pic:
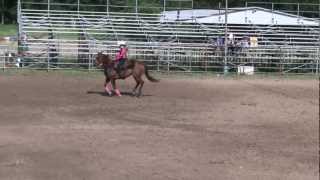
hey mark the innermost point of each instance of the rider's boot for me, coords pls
(118, 93)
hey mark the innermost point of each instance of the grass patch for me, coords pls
(36, 72)
(8, 29)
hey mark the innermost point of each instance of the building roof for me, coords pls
(188, 14)
(243, 15)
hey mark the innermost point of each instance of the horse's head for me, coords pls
(99, 61)
(102, 59)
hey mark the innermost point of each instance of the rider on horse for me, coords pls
(121, 56)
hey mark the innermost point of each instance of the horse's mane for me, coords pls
(106, 58)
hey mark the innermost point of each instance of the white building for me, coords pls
(187, 14)
(250, 15)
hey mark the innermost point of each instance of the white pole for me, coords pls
(317, 71)
(108, 6)
(78, 8)
(246, 18)
(18, 19)
(193, 19)
(318, 58)
(137, 7)
(48, 44)
(298, 13)
(48, 10)
(272, 10)
(225, 68)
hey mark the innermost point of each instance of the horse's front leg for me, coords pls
(116, 90)
(106, 82)
(107, 87)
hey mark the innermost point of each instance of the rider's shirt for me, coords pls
(122, 54)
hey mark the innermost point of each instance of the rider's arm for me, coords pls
(119, 55)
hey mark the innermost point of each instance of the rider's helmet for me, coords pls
(122, 43)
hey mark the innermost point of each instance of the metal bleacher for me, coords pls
(165, 46)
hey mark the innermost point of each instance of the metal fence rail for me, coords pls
(58, 39)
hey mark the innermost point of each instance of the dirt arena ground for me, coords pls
(62, 127)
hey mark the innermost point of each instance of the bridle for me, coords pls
(102, 63)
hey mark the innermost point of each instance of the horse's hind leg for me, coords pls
(141, 82)
(135, 88)
(107, 80)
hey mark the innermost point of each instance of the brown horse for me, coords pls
(131, 68)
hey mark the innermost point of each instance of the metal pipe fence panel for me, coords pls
(59, 39)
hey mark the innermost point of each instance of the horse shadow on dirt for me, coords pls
(125, 93)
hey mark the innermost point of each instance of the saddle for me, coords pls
(120, 67)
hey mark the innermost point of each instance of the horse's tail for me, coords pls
(149, 77)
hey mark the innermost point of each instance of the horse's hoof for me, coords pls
(108, 93)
